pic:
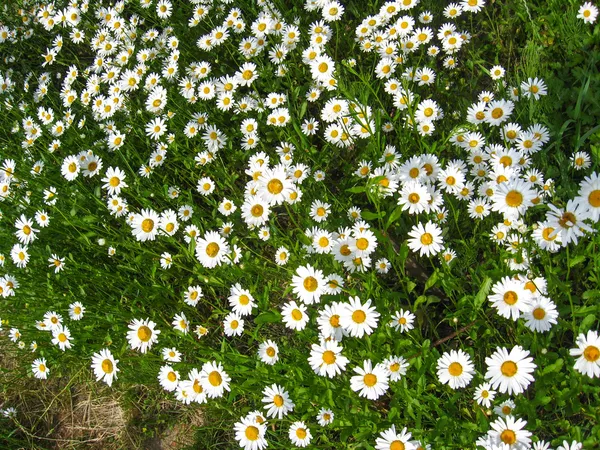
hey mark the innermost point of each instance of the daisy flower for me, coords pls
(299, 434)
(40, 368)
(534, 87)
(114, 180)
(542, 315)
(233, 325)
(484, 395)
(396, 367)
(319, 211)
(308, 284)
(510, 372)
(426, 239)
(241, 300)
(282, 256)
(505, 408)
(268, 352)
(171, 354)
(250, 434)
(588, 350)
(76, 311)
(455, 368)
(588, 12)
(193, 295)
(212, 249)
(104, 366)
(142, 335)
(277, 401)
(327, 360)
(390, 439)
(145, 225)
(168, 378)
(510, 298)
(214, 379)
(180, 323)
(402, 320)
(358, 319)
(510, 431)
(61, 336)
(371, 382)
(294, 316)
(325, 417)
(574, 445)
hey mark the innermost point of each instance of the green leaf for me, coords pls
(368, 215)
(577, 260)
(356, 189)
(482, 294)
(267, 317)
(432, 280)
(555, 367)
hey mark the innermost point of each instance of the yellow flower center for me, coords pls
(507, 436)
(510, 297)
(212, 249)
(328, 357)
(107, 366)
(591, 353)
(215, 378)
(359, 316)
(370, 380)
(251, 433)
(144, 333)
(514, 199)
(455, 369)
(508, 368)
(147, 225)
(426, 239)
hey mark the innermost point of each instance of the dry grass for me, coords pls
(78, 412)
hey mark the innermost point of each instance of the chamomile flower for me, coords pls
(370, 382)
(325, 417)
(588, 350)
(241, 300)
(299, 433)
(510, 372)
(214, 379)
(268, 352)
(104, 366)
(40, 370)
(294, 316)
(455, 369)
(357, 318)
(484, 395)
(142, 335)
(327, 360)
(277, 401)
(308, 284)
(390, 439)
(426, 239)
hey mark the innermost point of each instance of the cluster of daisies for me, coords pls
(136, 71)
